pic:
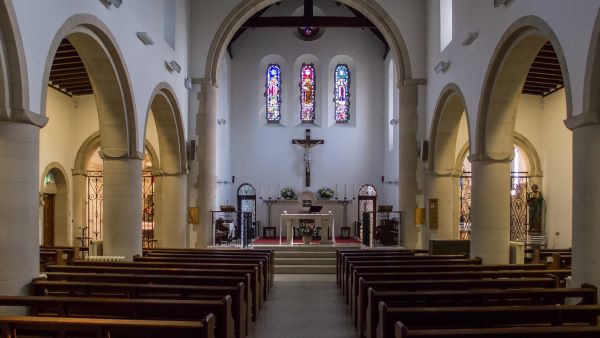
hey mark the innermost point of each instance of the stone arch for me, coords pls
(14, 92)
(591, 84)
(62, 219)
(444, 129)
(371, 9)
(109, 77)
(169, 124)
(504, 80)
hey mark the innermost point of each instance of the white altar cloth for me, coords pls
(325, 221)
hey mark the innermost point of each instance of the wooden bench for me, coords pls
(449, 284)
(239, 308)
(484, 316)
(505, 332)
(229, 281)
(155, 309)
(481, 297)
(253, 285)
(11, 327)
(341, 254)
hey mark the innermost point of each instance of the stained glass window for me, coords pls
(307, 92)
(273, 93)
(341, 95)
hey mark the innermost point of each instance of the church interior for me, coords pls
(410, 168)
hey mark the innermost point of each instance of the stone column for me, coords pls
(19, 206)
(206, 129)
(122, 214)
(171, 221)
(79, 198)
(443, 189)
(586, 199)
(407, 177)
(490, 210)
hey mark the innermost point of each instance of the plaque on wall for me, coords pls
(433, 213)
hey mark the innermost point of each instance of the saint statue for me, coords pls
(535, 201)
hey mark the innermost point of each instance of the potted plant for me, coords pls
(306, 230)
(288, 193)
(325, 193)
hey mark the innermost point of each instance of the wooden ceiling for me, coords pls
(68, 74)
(308, 19)
(545, 76)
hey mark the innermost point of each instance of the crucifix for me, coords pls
(307, 143)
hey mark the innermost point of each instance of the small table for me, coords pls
(325, 221)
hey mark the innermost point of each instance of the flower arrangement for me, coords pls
(288, 193)
(325, 193)
(306, 229)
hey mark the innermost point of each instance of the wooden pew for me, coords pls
(240, 310)
(341, 254)
(261, 262)
(155, 309)
(448, 284)
(408, 260)
(381, 276)
(481, 297)
(504, 332)
(228, 281)
(253, 273)
(11, 326)
(484, 316)
(170, 252)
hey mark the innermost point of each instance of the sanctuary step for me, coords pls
(304, 259)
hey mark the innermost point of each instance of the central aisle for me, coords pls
(304, 306)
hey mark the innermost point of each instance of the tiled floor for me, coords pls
(304, 306)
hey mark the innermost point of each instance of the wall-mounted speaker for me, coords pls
(424, 153)
(232, 179)
(192, 150)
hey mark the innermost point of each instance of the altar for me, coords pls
(325, 221)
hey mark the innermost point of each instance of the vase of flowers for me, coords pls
(288, 193)
(306, 230)
(325, 193)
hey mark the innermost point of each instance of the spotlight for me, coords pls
(173, 66)
(145, 38)
(441, 67)
(471, 36)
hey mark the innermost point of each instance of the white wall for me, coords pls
(390, 149)
(263, 154)
(39, 22)
(225, 192)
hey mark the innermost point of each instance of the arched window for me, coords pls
(246, 197)
(341, 94)
(308, 86)
(367, 204)
(273, 93)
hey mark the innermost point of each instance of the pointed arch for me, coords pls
(591, 84)
(169, 125)
(109, 77)
(62, 216)
(444, 129)
(504, 80)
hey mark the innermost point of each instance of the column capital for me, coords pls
(483, 157)
(79, 172)
(587, 118)
(412, 82)
(205, 82)
(18, 115)
(115, 154)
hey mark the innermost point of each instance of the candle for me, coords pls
(345, 191)
(278, 191)
(336, 195)
(269, 191)
(260, 191)
(353, 190)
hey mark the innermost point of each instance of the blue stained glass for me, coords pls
(341, 94)
(307, 92)
(273, 93)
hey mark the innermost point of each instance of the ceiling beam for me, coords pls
(317, 21)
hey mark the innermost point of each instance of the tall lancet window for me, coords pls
(307, 92)
(341, 95)
(273, 93)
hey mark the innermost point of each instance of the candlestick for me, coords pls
(345, 191)
(353, 190)
(336, 195)
(278, 191)
(269, 191)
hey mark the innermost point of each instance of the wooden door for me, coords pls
(48, 233)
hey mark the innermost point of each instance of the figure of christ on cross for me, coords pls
(307, 143)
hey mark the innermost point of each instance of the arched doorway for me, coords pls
(246, 202)
(56, 225)
(367, 214)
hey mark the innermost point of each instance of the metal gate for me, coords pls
(246, 197)
(464, 184)
(367, 204)
(519, 184)
(149, 210)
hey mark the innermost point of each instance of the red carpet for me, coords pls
(275, 241)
